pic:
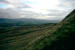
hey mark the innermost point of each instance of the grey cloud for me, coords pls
(8, 13)
(15, 13)
(19, 4)
(16, 3)
(58, 12)
(70, 4)
(4, 1)
(18, 13)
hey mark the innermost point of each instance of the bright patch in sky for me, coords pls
(41, 6)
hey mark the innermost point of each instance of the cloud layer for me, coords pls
(29, 9)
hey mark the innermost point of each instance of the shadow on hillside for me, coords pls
(66, 43)
(2, 46)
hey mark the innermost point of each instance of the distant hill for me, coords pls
(4, 22)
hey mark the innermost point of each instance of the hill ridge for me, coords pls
(65, 35)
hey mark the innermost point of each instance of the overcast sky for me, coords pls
(37, 9)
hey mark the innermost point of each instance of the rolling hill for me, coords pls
(58, 36)
(5, 22)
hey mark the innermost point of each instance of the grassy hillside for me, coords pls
(20, 36)
(64, 37)
(42, 37)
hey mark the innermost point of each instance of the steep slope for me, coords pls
(64, 37)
